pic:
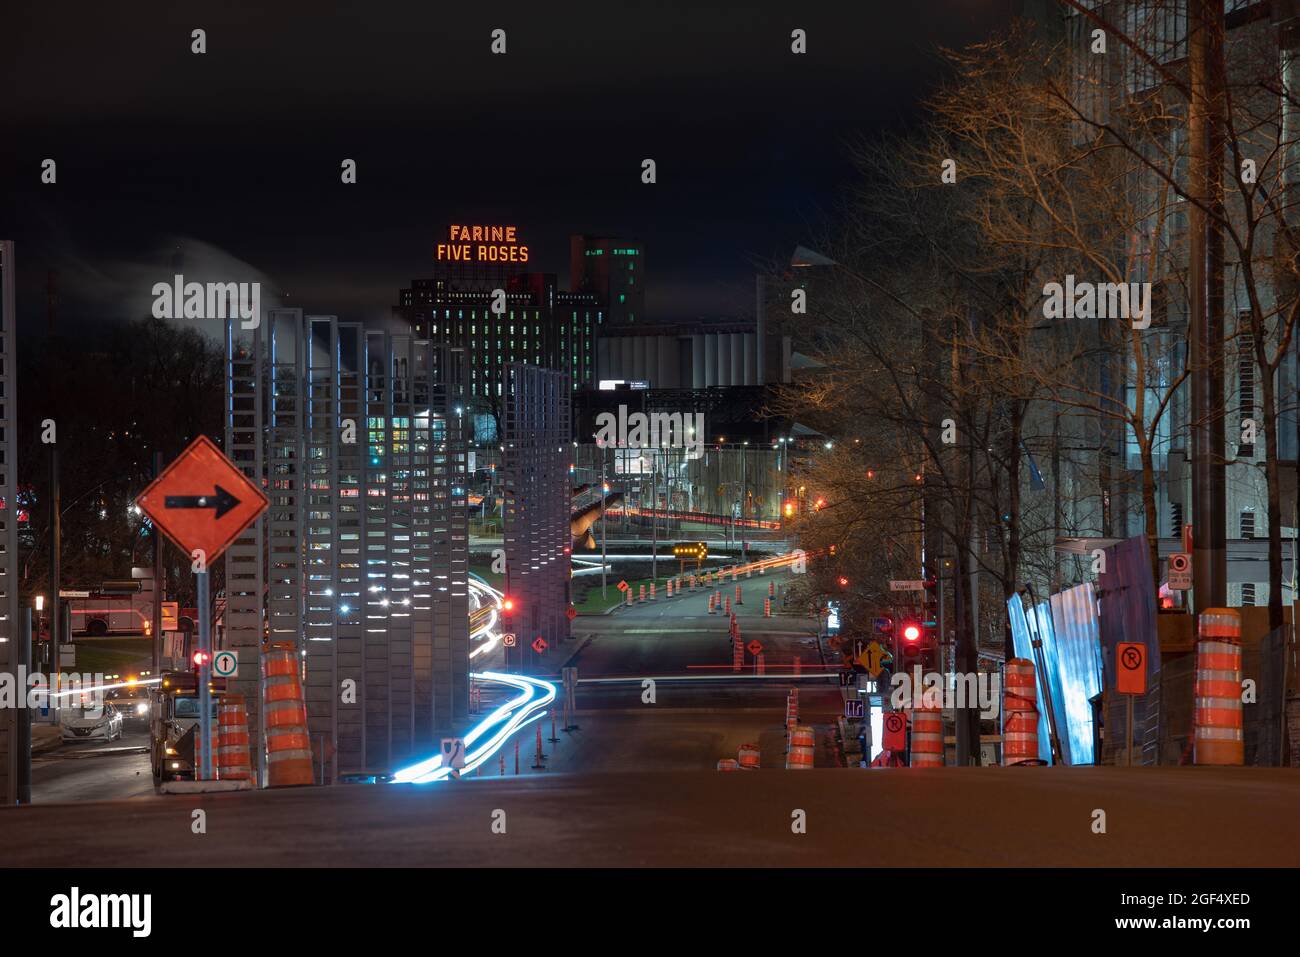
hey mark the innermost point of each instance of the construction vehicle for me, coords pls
(174, 722)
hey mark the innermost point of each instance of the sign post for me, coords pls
(202, 502)
(1130, 680)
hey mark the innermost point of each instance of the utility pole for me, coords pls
(654, 517)
(604, 566)
(56, 528)
(1206, 145)
(159, 580)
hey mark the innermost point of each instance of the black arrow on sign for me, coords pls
(220, 499)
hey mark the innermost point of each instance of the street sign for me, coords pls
(695, 551)
(572, 613)
(1180, 571)
(895, 736)
(508, 639)
(453, 753)
(539, 644)
(855, 708)
(622, 586)
(755, 647)
(909, 585)
(846, 678)
(859, 646)
(225, 664)
(1131, 667)
(202, 501)
(65, 593)
(171, 614)
(873, 658)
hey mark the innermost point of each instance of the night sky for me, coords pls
(235, 155)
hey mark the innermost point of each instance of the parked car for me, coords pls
(85, 723)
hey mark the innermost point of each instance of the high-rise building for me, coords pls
(481, 299)
(613, 269)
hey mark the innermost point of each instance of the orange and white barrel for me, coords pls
(641, 594)
(728, 764)
(288, 747)
(799, 758)
(749, 757)
(739, 600)
(629, 596)
(802, 736)
(1217, 715)
(1019, 713)
(767, 608)
(927, 738)
(231, 757)
(668, 589)
(652, 591)
(771, 589)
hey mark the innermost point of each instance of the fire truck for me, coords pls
(173, 723)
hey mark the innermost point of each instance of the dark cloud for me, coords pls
(240, 148)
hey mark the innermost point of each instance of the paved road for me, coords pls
(1163, 817)
(99, 772)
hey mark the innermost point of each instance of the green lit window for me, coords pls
(622, 297)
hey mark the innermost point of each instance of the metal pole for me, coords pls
(205, 672)
(654, 518)
(24, 668)
(744, 489)
(1205, 143)
(604, 567)
(1128, 729)
(56, 605)
(158, 582)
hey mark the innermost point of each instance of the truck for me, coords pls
(174, 721)
(122, 607)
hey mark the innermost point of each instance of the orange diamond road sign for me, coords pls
(202, 501)
(623, 586)
(755, 648)
(539, 644)
(1131, 670)
(572, 613)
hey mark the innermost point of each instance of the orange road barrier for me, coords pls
(728, 608)
(927, 738)
(692, 583)
(798, 665)
(629, 596)
(771, 589)
(1019, 714)
(642, 598)
(767, 608)
(791, 710)
(288, 748)
(652, 591)
(668, 588)
(739, 600)
(737, 656)
(733, 575)
(728, 764)
(799, 758)
(1217, 718)
(710, 604)
(231, 756)
(759, 664)
(802, 736)
(749, 757)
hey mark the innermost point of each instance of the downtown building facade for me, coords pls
(361, 561)
(1261, 36)
(483, 298)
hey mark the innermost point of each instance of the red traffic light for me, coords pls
(508, 604)
(200, 659)
(911, 631)
(844, 582)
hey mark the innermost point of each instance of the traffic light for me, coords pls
(911, 632)
(507, 605)
(844, 582)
